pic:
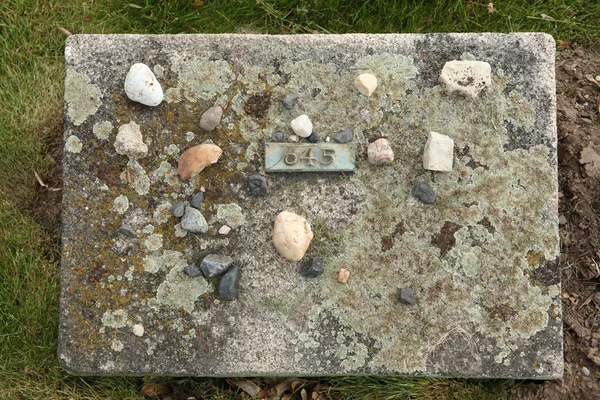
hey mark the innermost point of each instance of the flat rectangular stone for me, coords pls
(482, 260)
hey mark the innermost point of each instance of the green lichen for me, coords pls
(201, 79)
(180, 291)
(115, 319)
(121, 204)
(162, 213)
(73, 144)
(231, 214)
(102, 130)
(165, 261)
(82, 98)
(154, 242)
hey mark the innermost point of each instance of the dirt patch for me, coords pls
(45, 205)
(579, 178)
(445, 240)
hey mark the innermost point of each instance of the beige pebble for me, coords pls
(291, 235)
(343, 275)
(138, 330)
(439, 153)
(366, 84)
(224, 230)
(196, 158)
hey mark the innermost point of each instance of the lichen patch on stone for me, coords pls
(73, 144)
(81, 96)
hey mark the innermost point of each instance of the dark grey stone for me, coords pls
(178, 209)
(192, 271)
(277, 137)
(127, 230)
(290, 100)
(344, 136)
(423, 192)
(228, 286)
(258, 185)
(407, 296)
(313, 138)
(197, 200)
(215, 264)
(312, 268)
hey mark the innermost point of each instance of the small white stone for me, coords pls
(224, 230)
(294, 139)
(141, 85)
(138, 330)
(439, 153)
(467, 78)
(366, 84)
(130, 142)
(302, 126)
(585, 371)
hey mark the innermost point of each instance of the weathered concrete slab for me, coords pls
(482, 260)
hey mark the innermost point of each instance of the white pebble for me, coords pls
(138, 330)
(439, 153)
(294, 139)
(467, 78)
(366, 84)
(302, 126)
(585, 371)
(224, 230)
(141, 85)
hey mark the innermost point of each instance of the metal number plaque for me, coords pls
(292, 157)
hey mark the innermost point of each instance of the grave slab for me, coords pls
(480, 263)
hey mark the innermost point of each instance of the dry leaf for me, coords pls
(303, 394)
(563, 44)
(296, 385)
(490, 8)
(198, 3)
(153, 390)
(284, 386)
(63, 31)
(546, 16)
(246, 385)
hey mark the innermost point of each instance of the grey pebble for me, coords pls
(313, 138)
(312, 268)
(228, 286)
(211, 118)
(277, 137)
(407, 296)
(258, 185)
(197, 200)
(192, 271)
(344, 136)
(178, 209)
(290, 100)
(127, 230)
(194, 221)
(423, 192)
(215, 264)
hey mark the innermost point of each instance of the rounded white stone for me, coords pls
(142, 86)
(366, 84)
(138, 330)
(467, 78)
(291, 235)
(302, 126)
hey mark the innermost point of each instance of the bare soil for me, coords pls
(578, 101)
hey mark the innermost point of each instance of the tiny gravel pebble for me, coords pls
(277, 137)
(127, 230)
(224, 230)
(407, 296)
(344, 136)
(228, 286)
(293, 139)
(313, 138)
(215, 264)
(178, 209)
(138, 330)
(191, 270)
(423, 192)
(343, 275)
(585, 371)
(197, 200)
(312, 268)
(258, 185)
(290, 100)
(211, 118)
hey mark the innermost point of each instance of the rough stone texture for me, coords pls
(228, 286)
(482, 261)
(215, 264)
(380, 152)
(423, 192)
(194, 221)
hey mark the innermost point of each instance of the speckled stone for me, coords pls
(344, 136)
(192, 271)
(407, 296)
(211, 118)
(277, 136)
(228, 286)
(460, 255)
(193, 221)
(290, 100)
(178, 209)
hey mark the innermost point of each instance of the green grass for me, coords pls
(31, 76)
